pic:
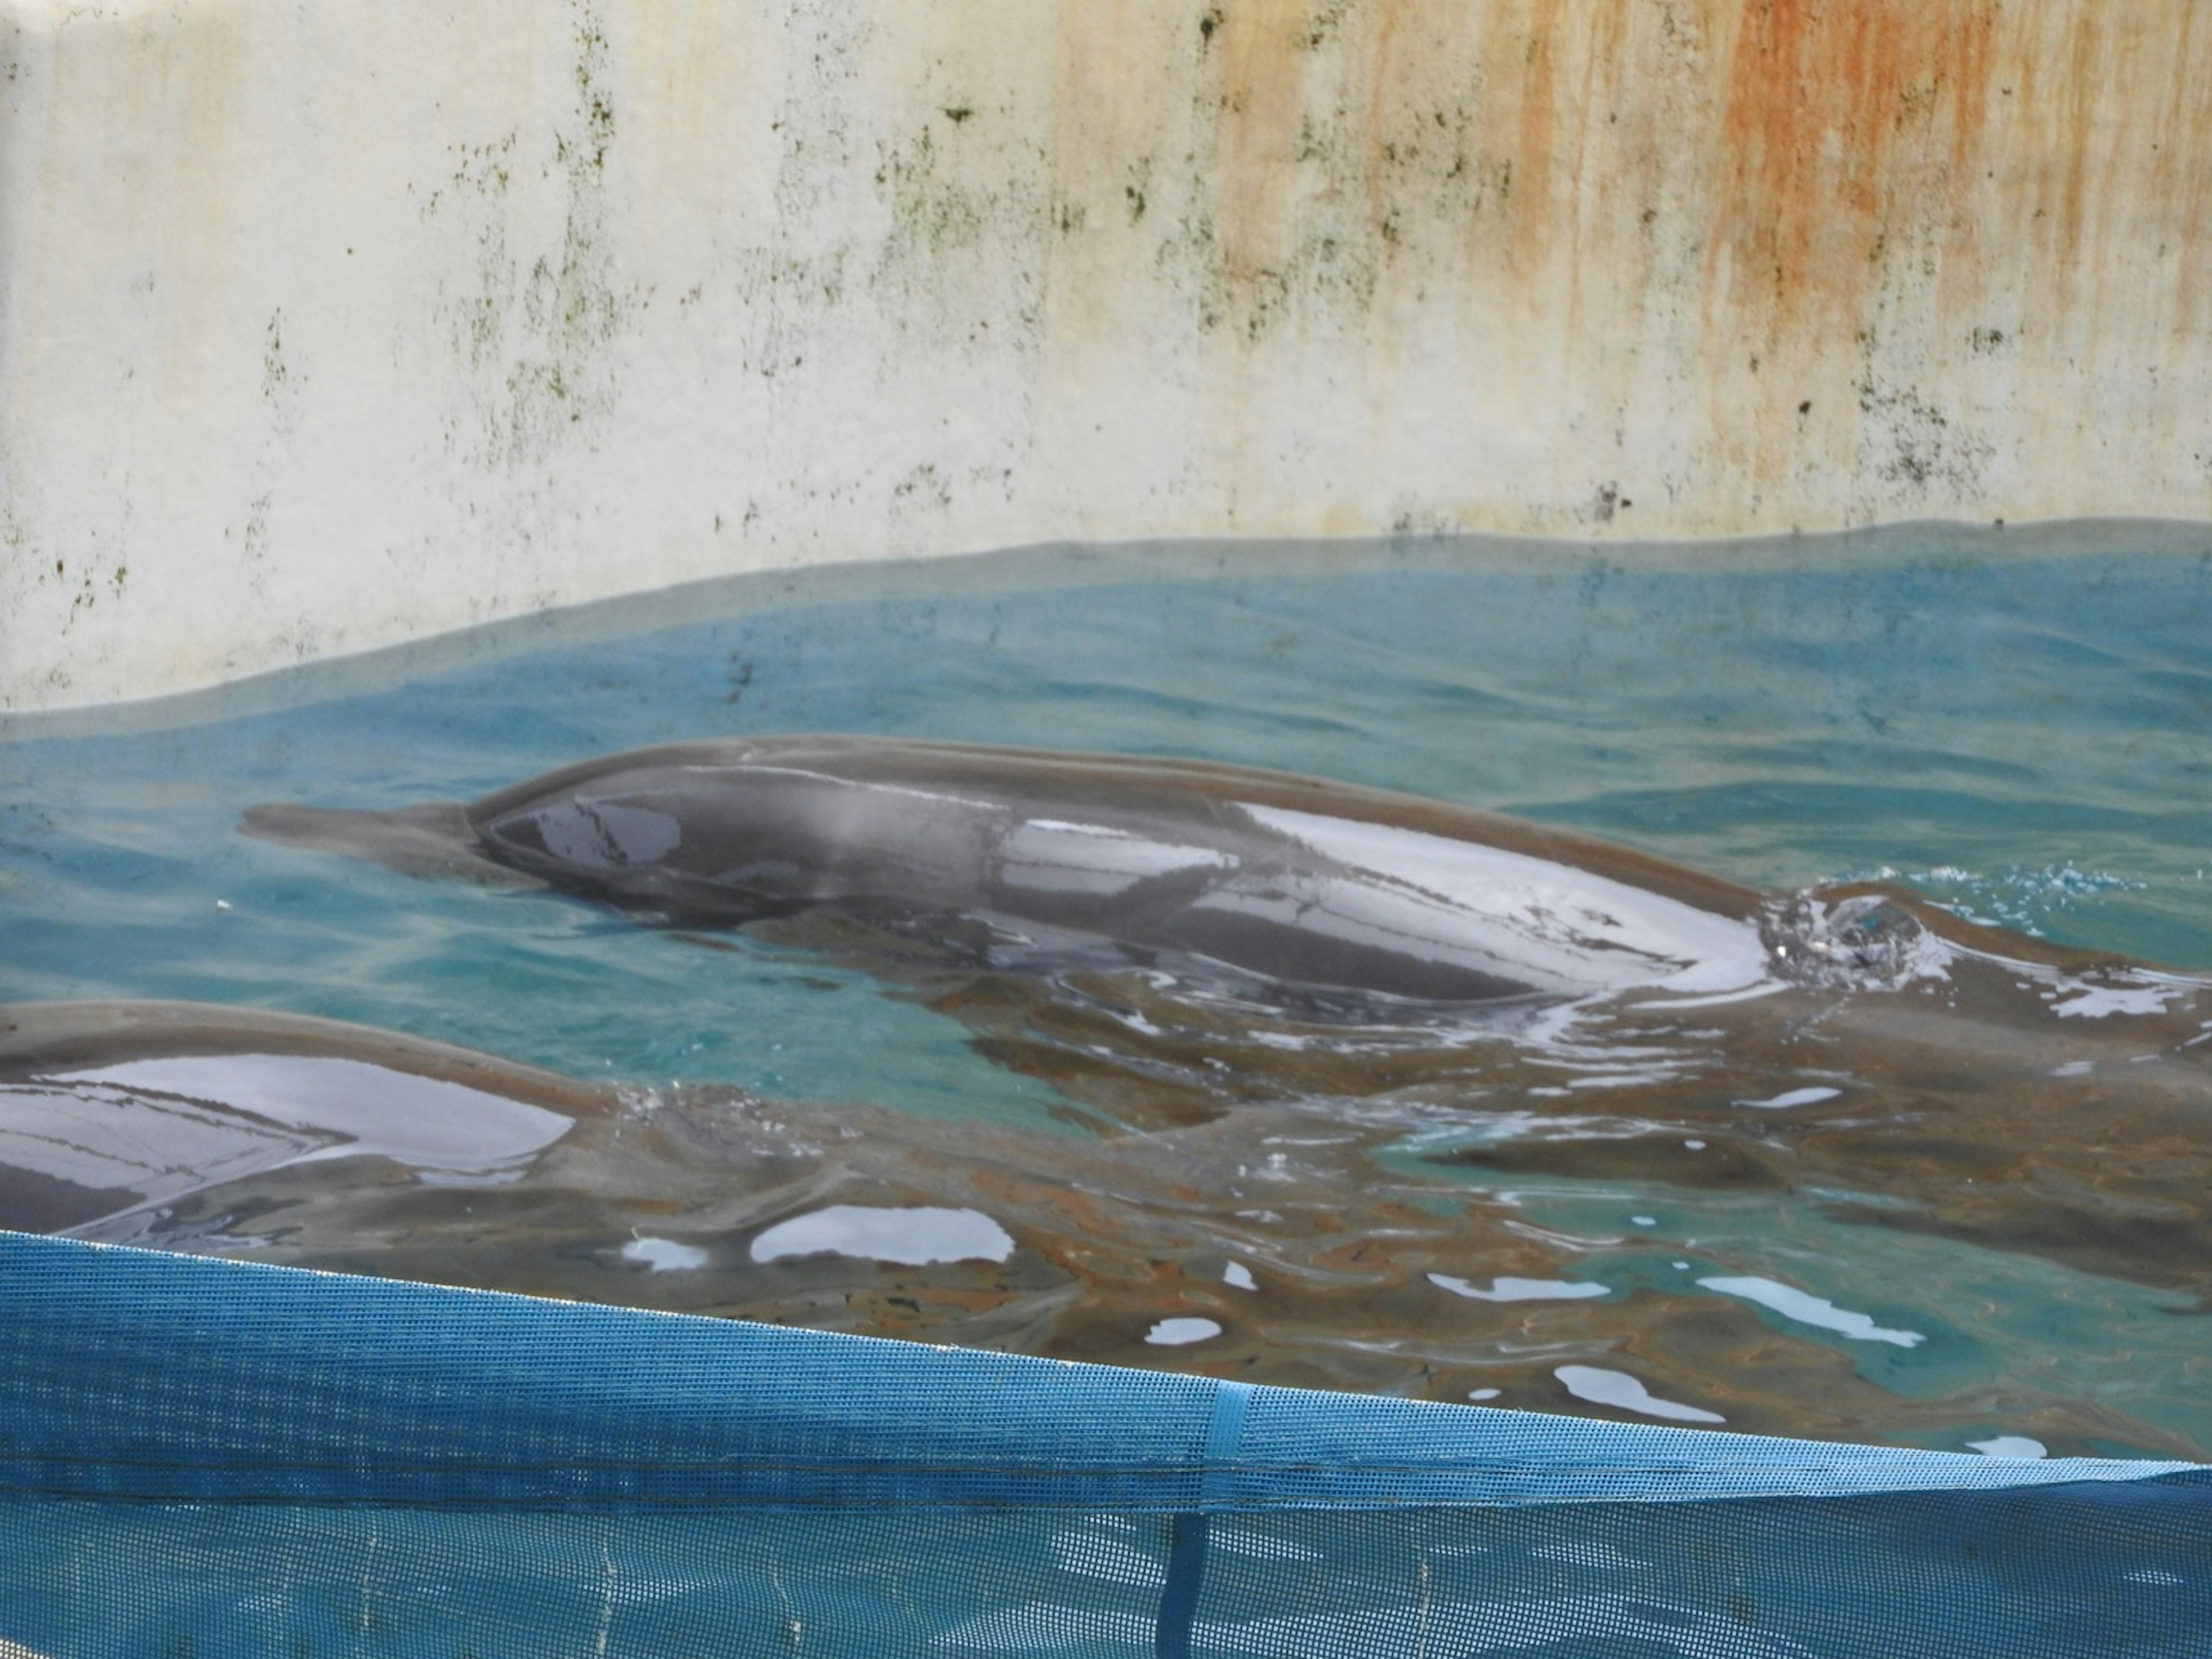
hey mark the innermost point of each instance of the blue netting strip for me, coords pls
(272, 1460)
(135, 1374)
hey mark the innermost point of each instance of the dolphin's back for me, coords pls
(1286, 878)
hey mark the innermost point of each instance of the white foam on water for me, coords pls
(1604, 1387)
(911, 1238)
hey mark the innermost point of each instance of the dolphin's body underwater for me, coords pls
(1031, 857)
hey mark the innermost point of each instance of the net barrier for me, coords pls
(203, 1457)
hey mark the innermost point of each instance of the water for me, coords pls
(2014, 724)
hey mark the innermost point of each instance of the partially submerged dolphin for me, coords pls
(1028, 857)
(107, 1108)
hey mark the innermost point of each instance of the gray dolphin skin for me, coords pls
(107, 1108)
(1032, 857)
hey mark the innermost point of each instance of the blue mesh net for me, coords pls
(202, 1457)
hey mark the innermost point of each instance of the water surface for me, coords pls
(2014, 724)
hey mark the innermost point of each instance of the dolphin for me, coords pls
(1338, 895)
(1026, 858)
(109, 1108)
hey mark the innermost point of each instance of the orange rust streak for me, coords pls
(1536, 140)
(2186, 125)
(2077, 108)
(1844, 125)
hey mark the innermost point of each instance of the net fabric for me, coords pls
(203, 1456)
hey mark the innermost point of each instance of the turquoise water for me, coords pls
(2018, 725)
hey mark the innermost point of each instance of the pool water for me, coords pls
(2017, 725)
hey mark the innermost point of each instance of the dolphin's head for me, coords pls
(721, 842)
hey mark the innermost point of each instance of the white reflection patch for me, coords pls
(1520, 1290)
(2011, 1445)
(1507, 914)
(351, 1106)
(1808, 1309)
(1604, 1387)
(665, 1255)
(910, 1237)
(1177, 1333)
(1783, 1101)
(1054, 856)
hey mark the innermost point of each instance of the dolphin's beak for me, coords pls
(433, 840)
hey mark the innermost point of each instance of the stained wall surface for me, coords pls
(326, 325)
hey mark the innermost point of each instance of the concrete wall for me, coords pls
(323, 325)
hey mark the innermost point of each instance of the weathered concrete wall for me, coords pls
(324, 325)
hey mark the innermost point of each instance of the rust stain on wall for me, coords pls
(1843, 124)
(1807, 210)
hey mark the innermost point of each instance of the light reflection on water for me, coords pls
(1757, 1227)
